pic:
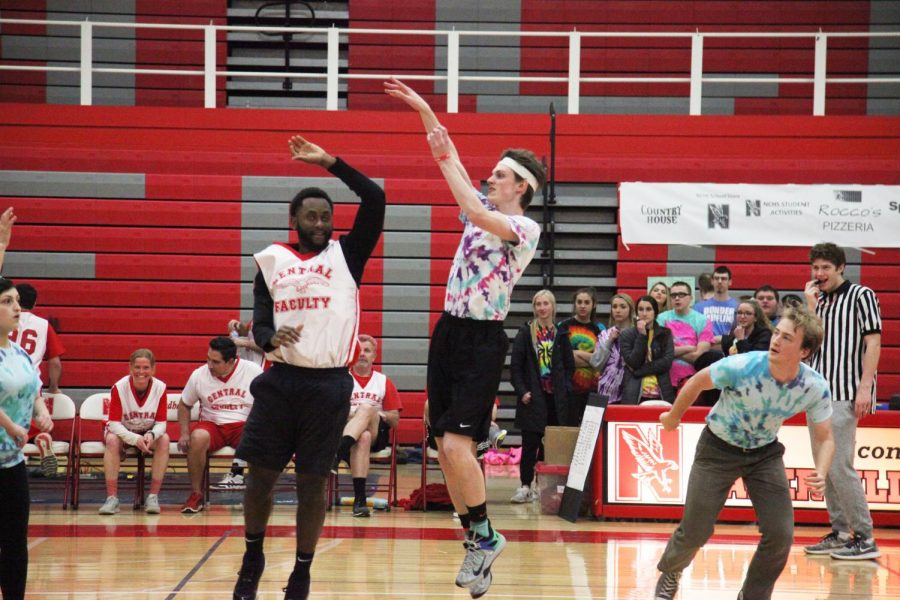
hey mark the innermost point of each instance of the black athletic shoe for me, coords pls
(360, 509)
(248, 578)
(297, 588)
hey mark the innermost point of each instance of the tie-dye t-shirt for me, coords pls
(486, 268)
(20, 384)
(753, 404)
(583, 336)
(687, 330)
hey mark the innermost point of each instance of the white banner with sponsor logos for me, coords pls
(760, 215)
(648, 465)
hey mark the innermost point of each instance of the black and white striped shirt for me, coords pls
(848, 314)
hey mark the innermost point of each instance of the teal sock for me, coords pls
(482, 529)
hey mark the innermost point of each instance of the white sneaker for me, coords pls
(522, 495)
(231, 482)
(151, 505)
(110, 507)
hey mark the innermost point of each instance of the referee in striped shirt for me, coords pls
(848, 359)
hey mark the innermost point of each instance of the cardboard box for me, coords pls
(551, 485)
(559, 444)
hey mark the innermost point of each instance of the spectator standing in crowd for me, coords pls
(541, 369)
(791, 301)
(759, 391)
(222, 387)
(691, 333)
(719, 310)
(648, 351)
(306, 318)
(468, 344)
(607, 357)
(752, 330)
(768, 298)
(583, 332)
(38, 338)
(705, 288)
(374, 410)
(660, 293)
(20, 402)
(848, 359)
(137, 417)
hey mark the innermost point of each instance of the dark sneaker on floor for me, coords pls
(297, 588)
(857, 549)
(667, 586)
(828, 544)
(360, 509)
(248, 578)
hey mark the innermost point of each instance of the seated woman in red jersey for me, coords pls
(137, 417)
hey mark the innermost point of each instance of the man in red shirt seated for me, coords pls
(374, 409)
(222, 387)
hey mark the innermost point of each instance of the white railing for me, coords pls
(332, 77)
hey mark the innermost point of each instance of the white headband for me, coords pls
(521, 171)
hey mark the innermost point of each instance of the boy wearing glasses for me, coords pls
(691, 332)
(720, 308)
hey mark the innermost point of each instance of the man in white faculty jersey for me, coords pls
(306, 318)
(222, 387)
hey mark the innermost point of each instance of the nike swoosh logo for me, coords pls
(463, 425)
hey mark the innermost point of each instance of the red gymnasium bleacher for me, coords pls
(137, 223)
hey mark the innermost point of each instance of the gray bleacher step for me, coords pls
(582, 255)
(575, 282)
(250, 37)
(586, 228)
(297, 12)
(267, 63)
(274, 84)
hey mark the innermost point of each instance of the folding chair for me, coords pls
(427, 465)
(90, 447)
(335, 487)
(62, 410)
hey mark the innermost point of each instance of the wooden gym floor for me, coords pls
(80, 555)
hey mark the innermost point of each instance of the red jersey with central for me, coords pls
(222, 401)
(138, 412)
(377, 390)
(317, 291)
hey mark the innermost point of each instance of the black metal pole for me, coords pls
(550, 203)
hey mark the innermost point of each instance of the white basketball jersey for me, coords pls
(31, 334)
(222, 401)
(318, 292)
(373, 393)
(139, 418)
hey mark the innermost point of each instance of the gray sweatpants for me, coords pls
(848, 510)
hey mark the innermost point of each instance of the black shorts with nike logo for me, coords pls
(465, 364)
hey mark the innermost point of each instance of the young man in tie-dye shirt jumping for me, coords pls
(469, 344)
(760, 390)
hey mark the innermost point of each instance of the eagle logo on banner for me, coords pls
(653, 467)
